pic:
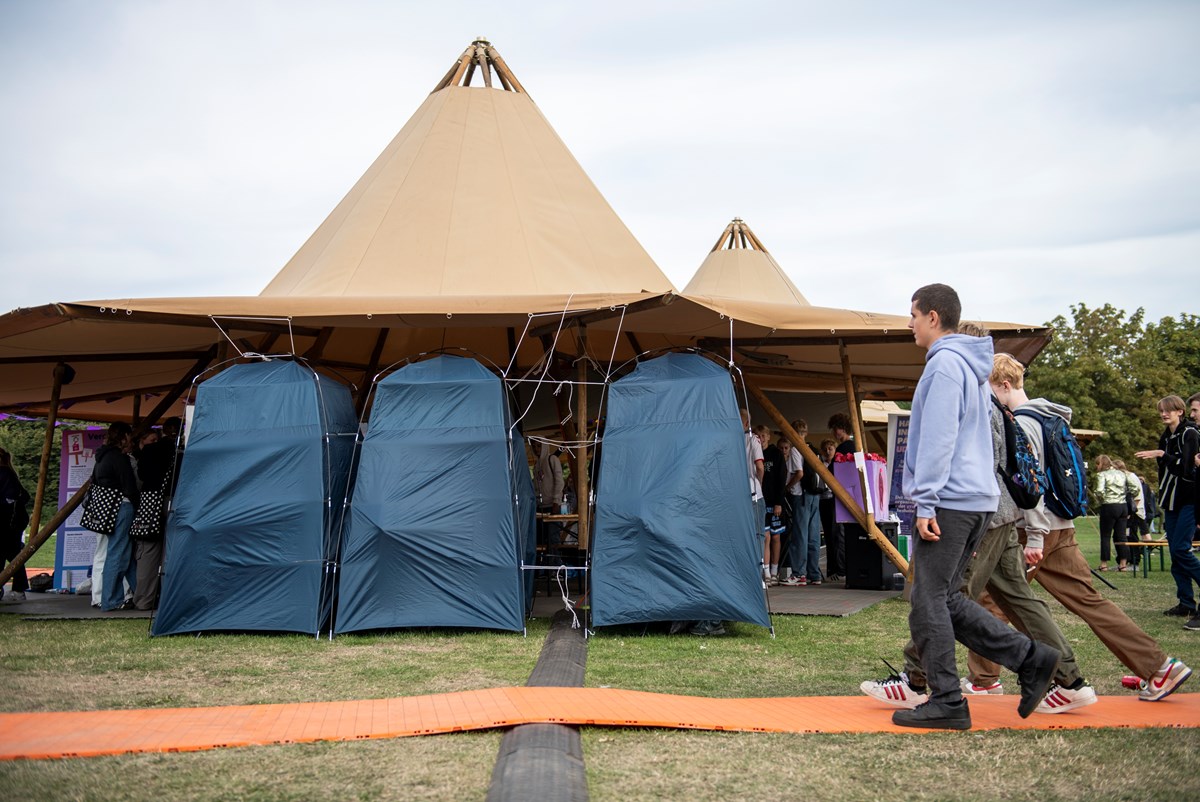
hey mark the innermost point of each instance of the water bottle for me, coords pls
(563, 509)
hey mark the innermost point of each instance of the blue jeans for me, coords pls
(805, 546)
(1181, 528)
(942, 613)
(118, 561)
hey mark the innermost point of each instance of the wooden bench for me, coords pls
(1162, 547)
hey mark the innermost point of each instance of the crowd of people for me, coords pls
(127, 562)
(965, 552)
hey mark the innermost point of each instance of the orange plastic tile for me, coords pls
(114, 732)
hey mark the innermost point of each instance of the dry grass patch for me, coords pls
(443, 768)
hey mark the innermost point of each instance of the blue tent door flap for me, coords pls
(440, 518)
(674, 537)
(252, 532)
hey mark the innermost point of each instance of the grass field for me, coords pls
(113, 664)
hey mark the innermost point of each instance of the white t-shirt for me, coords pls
(795, 464)
(754, 455)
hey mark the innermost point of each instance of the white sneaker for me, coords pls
(1165, 681)
(14, 598)
(1060, 700)
(971, 689)
(895, 691)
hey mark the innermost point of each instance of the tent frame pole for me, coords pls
(814, 462)
(581, 460)
(39, 495)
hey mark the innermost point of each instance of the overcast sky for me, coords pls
(1032, 154)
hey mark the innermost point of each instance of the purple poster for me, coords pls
(901, 505)
(75, 545)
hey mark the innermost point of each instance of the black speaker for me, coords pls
(866, 567)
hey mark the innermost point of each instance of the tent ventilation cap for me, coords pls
(480, 57)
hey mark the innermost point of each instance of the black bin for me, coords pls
(866, 567)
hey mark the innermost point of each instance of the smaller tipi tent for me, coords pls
(739, 266)
(250, 538)
(441, 517)
(675, 535)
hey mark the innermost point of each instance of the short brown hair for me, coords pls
(1192, 399)
(973, 329)
(1171, 403)
(1005, 368)
(940, 298)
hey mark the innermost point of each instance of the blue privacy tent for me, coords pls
(442, 512)
(675, 537)
(250, 540)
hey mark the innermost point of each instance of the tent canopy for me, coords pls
(475, 228)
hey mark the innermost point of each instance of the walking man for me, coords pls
(948, 473)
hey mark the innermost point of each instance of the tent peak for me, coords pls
(738, 235)
(480, 57)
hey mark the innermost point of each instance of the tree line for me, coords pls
(1112, 369)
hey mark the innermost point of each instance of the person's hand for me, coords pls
(928, 529)
(1033, 556)
(1153, 453)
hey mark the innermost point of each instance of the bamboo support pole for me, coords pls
(814, 462)
(39, 494)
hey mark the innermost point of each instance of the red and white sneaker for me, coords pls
(895, 691)
(971, 689)
(1060, 699)
(1165, 681)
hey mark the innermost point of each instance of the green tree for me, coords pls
(24, 439)
(1111, 369)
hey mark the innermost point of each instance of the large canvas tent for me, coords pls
(675, 534)
(475, 228)
(251, 538)
(440, 521)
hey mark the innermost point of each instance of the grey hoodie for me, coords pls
(1039, 520)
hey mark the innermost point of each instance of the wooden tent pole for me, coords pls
(851, 397)
(37, 538)
(39, 495)
(814, 463)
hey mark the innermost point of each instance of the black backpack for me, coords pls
(1023, 477)
(1066, 469)
(811, 482)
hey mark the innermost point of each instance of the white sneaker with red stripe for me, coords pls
(971, 689)
(1060, 699)
(895, 691)
(1165, 681)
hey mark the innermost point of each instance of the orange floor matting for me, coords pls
(113, 732)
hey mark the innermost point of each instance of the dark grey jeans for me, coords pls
(942, 613)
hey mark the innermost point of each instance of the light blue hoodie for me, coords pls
(948, 463)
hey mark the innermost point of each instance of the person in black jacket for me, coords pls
(113, 469)
(14, 517)
(773, 483)
(157, 470)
